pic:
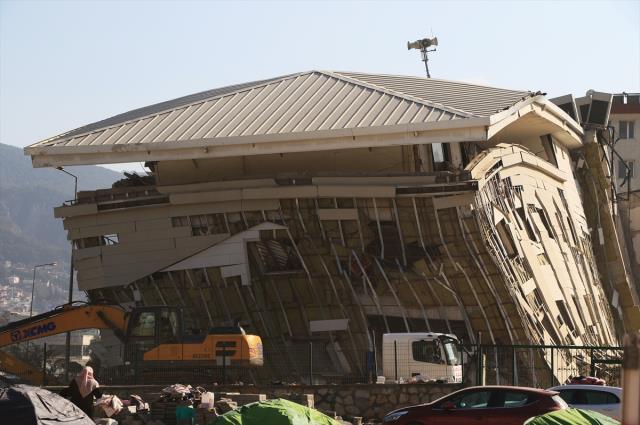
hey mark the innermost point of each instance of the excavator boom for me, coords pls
(153, 335)
(64, 319)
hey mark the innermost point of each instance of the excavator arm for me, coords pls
(65, 319)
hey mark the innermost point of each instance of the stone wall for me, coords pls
(369, 401)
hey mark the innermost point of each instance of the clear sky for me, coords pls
(68, 63)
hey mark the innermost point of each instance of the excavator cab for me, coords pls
(151, 327)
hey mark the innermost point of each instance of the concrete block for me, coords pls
(242, 399)
(306, 400)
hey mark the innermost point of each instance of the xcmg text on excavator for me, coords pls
(152, 336)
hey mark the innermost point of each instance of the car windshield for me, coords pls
(450, 351)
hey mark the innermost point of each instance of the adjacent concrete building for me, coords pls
(625, 120)
(334, 206)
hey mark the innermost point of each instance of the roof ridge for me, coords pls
(421, 77)
(243, 87)
(387, 90)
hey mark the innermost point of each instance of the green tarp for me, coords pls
(572, 417)
(274, 412)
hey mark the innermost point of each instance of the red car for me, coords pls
(490, 405)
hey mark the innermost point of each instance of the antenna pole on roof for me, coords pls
(423, 45)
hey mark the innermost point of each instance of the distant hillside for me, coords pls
(28, 231)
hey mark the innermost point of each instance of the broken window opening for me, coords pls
(549, 149)
(573, 232)
(545, 222)
(504, 234)
(574, 300)
(441, 157)
(275, 257)
(93, 241)
(495, 167)
(566, 317)
(523, 216)
(201, 224)
(108, 240)
(390, 240)
(468, 151)
(562, 231)
(537, 300)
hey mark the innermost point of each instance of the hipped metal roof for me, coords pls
(309, 103)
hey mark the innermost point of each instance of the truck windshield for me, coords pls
(450, 351)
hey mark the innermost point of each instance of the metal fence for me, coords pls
(544, 366)
(321, 363)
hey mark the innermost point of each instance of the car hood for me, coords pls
(409, 408)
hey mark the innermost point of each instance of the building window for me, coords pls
(549, 149)
(504, 234)
(626, 129)
(110, 240)
(202, 224)
(90, 242)
(622, 170)
(441, 157)
(565, 317)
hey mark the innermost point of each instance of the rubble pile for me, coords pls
(180, 404)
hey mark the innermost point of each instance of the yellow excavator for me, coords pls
(153, 336)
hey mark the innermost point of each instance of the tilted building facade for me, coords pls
(334, 207)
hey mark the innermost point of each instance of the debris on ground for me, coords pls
(110, 404)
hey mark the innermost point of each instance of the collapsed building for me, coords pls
(333, 207)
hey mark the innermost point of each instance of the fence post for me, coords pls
(514, 378)
(44, 364)
(479, 366)
(224, 366)
(552, 368)
(375, 358)
(310, 362)
(461, 360)
(395, 358)
(135, 366)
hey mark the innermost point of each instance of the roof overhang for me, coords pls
(533, 117)
(459, 130)
(530, 117)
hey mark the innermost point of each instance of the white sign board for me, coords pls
(328, 325)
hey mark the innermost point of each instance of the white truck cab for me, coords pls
(421, 355)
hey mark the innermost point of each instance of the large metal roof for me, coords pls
(473, 98)
(303, 103)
